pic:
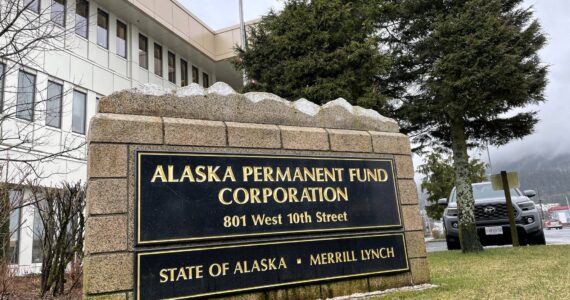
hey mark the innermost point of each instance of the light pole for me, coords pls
(243, 35)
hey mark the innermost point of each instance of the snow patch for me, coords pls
(339, 102)
(419, 287)
(151, 89)
(193, 89)
(260, 96)
(370, 113)
(305, 106)
(221, 88)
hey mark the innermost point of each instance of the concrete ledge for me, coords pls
(390, 143)
(253, 135)
(107, 160)
(304, 138)
(221, 103)
(106, 234)
(106, 196)
(345, 287)
(108, 273)
(312, 291)
(125, 129)
(378, 283)
(350, 140)
(118, 296)
(194, 132)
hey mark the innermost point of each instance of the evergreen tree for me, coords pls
(460, 69)
(439, 179)
(318, 49)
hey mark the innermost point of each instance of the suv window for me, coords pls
(485, 191)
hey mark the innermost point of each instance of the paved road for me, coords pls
(553, 237)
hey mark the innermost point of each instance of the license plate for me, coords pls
(494, 230)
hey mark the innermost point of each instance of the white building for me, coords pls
(112, 45)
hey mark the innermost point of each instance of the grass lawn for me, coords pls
(538, 272)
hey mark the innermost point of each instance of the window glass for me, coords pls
(81, 17)
(171, 67)
(14, 226)
(143, 51)
(102, 29)
(58, 12)
(53, 104)
(121, 39)
(25, 96)
(183, 73)
(205, 80)
(2, 87)
(33, 5)
(157, 60)
(78, 112)
(37, 239)
(195, 78)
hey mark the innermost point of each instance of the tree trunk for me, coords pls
(465, 201)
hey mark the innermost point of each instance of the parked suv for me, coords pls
(491, 217)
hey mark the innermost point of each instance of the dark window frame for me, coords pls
(101, 12)
(60, 112)
(84, 112)
(119, 24)
(53, 17)
(145, 66)
(160, 58)
(195, 79)
(33, 102)
(205, 80)
(79, 29)
(183, 72)
(171, 68)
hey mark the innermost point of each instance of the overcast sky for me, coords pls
(552, 135)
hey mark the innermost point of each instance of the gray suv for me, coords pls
(492, 219)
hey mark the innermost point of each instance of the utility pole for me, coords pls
(540, 202)
(243, 35)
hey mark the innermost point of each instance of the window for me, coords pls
(33, 5)
(121, 39)
(58, 12)
(171, 67)
(143, 51)
(183, 73)
(2, 67)
(81, 17)
(53, 104)
(205, 80)
(102, 29)
(195, 75)
(157, 60)
(14, 227)
(25, 96)
(38, 232)
(78, 112)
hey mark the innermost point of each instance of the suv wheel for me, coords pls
(452, 244)
(537, 239)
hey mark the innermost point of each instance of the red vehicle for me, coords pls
(548, 224)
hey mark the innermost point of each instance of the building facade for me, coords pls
(109, 45)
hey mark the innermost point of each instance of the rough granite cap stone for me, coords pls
(221, 103)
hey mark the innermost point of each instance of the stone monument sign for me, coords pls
(211, 193)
